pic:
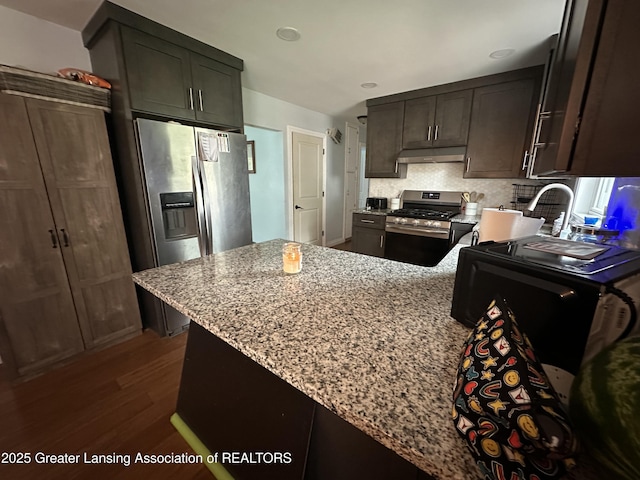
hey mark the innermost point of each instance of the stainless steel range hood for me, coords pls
(433, 155)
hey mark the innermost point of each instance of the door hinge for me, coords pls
(323, 194)
(323, 151)
(323, 233)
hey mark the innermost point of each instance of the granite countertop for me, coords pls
(471, 219)
(344, 332)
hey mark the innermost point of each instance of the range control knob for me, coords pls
(416, 222)
(403, 220)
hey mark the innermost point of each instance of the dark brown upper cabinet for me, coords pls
(217, 92)
(493, 116)
(169, 80)
(384, 141)
(588, 122)
(502, 120)
(159, 72)
(437, 121)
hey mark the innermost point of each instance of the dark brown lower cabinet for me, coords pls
(368, 235)
(65, 279)
(233, 404)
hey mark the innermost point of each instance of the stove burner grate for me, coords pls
(423, 213)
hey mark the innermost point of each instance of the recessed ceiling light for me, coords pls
(289, 34)
(502, 53)
(369, 85)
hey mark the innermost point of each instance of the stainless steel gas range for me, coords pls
(421, 232)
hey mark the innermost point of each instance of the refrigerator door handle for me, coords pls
(200, 207)
(206, 201)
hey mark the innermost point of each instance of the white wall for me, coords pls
(268, 112)
(34, 44)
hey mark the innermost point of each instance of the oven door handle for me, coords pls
(417, 231)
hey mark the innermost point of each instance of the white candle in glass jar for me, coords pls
(291, 257)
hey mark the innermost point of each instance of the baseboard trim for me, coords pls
(333, 243)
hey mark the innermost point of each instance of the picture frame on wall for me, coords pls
(251, 156)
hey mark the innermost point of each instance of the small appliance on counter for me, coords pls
(376, 203)
(500, 224)
(571, 298)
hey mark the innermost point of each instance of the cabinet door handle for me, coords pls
(525, 164)
(367, 221)
(191, 98)
(54, 240)
(200, 100)
(65, 237)
(541, 118)
(468, 163)
(381, 241)
(435, 134)
(429, 134)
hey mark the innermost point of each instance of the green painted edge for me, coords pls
(194, 442)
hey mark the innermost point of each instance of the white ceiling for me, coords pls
(401, 45)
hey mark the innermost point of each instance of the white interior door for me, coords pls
(352, 161)
(308, 181)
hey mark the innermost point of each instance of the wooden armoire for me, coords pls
(65, 273)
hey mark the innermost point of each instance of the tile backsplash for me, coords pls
(447, 176)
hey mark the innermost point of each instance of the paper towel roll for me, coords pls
(497, 225)
(526, 226)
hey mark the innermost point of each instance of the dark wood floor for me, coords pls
(118, 400)
(344, 246)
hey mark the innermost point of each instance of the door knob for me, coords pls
(298, 207)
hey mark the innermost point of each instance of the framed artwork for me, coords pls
(251, 156)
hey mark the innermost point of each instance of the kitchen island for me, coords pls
(363, 340)
(367, 338)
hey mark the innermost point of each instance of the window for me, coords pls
(592, 197)
(601, 194)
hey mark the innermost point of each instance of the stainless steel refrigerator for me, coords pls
(197, 188)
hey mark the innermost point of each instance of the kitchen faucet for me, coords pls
(565, 223)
